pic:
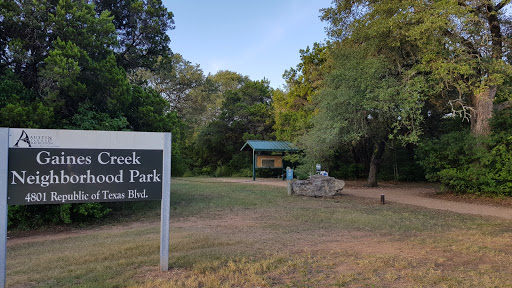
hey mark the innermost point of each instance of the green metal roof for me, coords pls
(272, 146)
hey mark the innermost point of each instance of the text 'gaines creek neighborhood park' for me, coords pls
(50, 172)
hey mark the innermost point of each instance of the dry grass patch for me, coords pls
(231, 235)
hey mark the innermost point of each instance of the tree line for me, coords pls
(404, 90)
(431, 80)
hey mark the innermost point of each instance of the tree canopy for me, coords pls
(142, 27)
(293, 108)
(69, 76)
(462, 48)
(396, 82)
(63, 65)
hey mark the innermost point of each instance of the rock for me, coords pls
(318, 186)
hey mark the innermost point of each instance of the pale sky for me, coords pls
(260, 39)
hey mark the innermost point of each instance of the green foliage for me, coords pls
(33, 216)
(294, 108)
(246, 112)
(63, 65)
(502, 123)
(80, 213)
(181, 83)
(502, 167)
(395, 69)
(142, 28)
(87, 119)
(454, 149)
(22, 114)
(18, 108)
(458, 49)
(466, 164)
(399, 164)
(366, 103)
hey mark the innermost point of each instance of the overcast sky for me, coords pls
(260, 39)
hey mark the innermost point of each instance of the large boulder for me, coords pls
(318, 186)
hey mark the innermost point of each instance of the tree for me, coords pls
(48, 46)
(202, 103)
(19, 107)
(246, 112)
(365, 102)
(32, 28)
(294, 107)
(459, 46)
(59, 69)
(216, 86)
(173, 83)
(142, 27)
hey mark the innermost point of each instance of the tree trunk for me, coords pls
(483, 103)
(375, 163)
(362, 152)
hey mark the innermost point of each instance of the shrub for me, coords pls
(465, 164)
(32, 216)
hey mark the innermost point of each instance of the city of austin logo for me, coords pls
(26, 140)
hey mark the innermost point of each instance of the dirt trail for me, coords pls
(405, 193)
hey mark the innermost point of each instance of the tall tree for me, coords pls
(31, 28)
(365, 102)
(142, 27)
(174, 82)
(246, 112)
(205, 101)
(49, 47)
(294, 107)
(58, 69)
(460, 46)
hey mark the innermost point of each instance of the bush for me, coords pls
(451, 150)
(465, 164)
(33, 216)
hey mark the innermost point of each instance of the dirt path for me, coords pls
(421, 194)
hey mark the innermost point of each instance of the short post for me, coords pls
(382, 200)
(289, 178)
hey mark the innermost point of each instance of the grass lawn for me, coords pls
(236, 235)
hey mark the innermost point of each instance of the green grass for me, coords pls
(241, 235)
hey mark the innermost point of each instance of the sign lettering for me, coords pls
(44, 171)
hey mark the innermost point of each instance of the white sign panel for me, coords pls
(71, 166)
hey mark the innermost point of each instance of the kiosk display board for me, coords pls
(269, 161)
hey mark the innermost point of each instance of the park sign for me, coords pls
(72, 166)
(42, 166)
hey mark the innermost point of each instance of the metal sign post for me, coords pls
(166, 204)
(4, 154)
